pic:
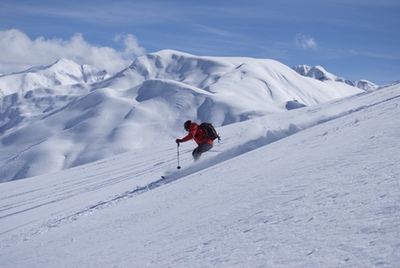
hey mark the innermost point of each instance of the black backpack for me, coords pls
(210, 131)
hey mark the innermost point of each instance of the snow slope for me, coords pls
(53, 127)
(311, 187)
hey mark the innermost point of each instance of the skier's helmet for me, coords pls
(187, 125)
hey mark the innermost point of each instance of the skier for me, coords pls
(199, 136)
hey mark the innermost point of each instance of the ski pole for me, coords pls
(177, 151)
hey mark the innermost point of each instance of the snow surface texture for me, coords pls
(311, 187)
(65, 115)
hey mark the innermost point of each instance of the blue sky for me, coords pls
(354, 39)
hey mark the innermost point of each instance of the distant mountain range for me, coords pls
(68, 72)
(62, 72)
(321, 74)
(65, 114)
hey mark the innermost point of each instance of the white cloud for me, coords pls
(305, 42)
(130, 44)
(19, 52)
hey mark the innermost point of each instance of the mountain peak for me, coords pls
(58, 64)
(171, 53)
(64, 62)
(61, 72)
(319, 73)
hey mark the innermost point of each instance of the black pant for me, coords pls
(204, 147)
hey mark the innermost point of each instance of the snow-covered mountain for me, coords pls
(53, 127)
(311, 187)
(319, 73)
(62, 72)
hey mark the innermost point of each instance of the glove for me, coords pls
(178, 140)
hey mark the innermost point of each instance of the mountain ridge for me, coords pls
(61, 72)
(47, 129)
(319, 73)
(65, 71)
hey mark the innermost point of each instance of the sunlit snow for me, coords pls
(315, 186)
(56, 119)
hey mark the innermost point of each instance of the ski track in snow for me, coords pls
(311, 187)
(312, 215)
(51, 122)
(264, 131)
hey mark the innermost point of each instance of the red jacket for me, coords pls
(197, 134)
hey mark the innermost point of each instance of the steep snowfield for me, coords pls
(51, 128)
(311, 187)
